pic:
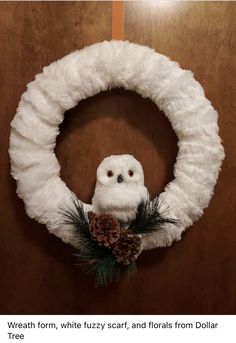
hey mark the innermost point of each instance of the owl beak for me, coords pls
(120, 178)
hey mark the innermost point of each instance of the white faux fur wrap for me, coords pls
(85, 73)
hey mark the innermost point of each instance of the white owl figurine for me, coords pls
(119, 187)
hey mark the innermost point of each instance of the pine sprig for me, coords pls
(91, 257)
(97, 259)
(106, 268)
(75, 216)
(148, 218)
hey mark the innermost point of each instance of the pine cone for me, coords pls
(127, 248)
(104, 229)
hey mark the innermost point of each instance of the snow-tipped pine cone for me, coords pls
(127, 248)
(104, 229)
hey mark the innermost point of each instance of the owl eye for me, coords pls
(110, 173)
(131, 173)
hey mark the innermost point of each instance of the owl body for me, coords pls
(119, 187)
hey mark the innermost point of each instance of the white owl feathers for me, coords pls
(119, 187)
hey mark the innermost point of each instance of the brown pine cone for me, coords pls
(127, 248)
(104, 229)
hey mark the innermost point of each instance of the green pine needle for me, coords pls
(106, 268)
(148, 218)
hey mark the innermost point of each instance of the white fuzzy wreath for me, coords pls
(85, 73)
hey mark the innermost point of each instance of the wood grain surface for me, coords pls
(196, 275)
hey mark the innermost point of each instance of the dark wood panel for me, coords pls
(197, 275)
(37, 270)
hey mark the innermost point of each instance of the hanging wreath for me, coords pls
(108, 242)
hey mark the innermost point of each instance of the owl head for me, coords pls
(120, 170)
(119, 187)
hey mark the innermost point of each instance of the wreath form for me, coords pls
(85, 73)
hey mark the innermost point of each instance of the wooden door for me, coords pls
(194, 276)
